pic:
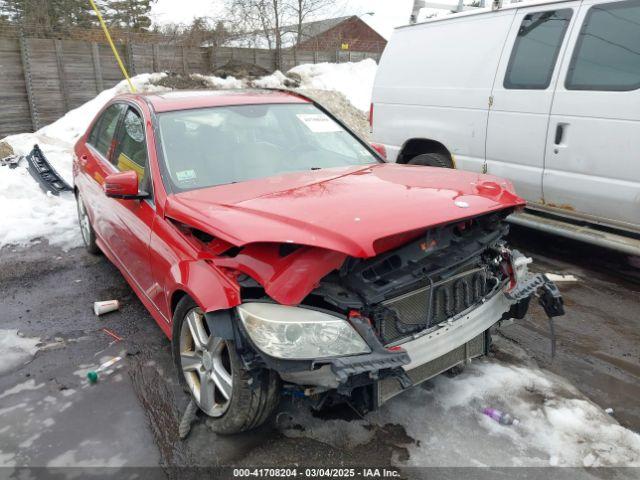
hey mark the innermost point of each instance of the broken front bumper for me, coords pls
(425, 354)
(421, 349)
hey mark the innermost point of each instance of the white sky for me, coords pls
(388, 13)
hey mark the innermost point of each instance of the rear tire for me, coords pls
(254, 394)
(432, 160)
(86, 229)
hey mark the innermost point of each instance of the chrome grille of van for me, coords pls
(430, 305)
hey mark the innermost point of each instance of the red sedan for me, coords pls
(279, 252)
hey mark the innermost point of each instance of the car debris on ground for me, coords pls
(42, 171)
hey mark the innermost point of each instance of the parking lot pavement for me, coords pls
(51, 416)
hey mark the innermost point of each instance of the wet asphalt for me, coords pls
(130, 417)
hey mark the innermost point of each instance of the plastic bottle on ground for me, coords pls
(92, 375)
(501, 417)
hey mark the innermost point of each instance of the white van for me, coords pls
(546, 94)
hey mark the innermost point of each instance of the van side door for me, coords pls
(522, 95)
(592, 166)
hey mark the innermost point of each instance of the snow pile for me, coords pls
(27, 212)
(353, 80)
(558, 425)
(15, 350)
(276, 80)
(218, 82)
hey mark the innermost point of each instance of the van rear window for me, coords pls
(607, 53)
(536, 49)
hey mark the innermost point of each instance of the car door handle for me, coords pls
(559, 133)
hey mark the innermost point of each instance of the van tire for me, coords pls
(431, 160)
(255, 394)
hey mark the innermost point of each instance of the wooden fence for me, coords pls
(42, 79)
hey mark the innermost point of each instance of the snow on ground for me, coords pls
(16, 349)
(29, 214)
(558, 425)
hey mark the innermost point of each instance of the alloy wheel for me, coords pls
(206, 365)
(83, 218)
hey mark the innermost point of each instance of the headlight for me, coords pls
(299, 333)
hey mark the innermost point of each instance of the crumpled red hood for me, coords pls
(342, 209)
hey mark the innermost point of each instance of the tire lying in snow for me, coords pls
(211, 370)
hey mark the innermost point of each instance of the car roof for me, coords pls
(190, 99)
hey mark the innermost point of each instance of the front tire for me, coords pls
(211, 370)
(432, 160)
(86, 229)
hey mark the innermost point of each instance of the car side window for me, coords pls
(607, 53)
(101, 137)
(131, 150)
(536, 50)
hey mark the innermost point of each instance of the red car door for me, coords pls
(93, 160)
(132, 220)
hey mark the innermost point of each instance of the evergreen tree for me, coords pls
(47, 16)
(132, 15)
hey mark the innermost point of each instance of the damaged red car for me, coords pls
(281, 254)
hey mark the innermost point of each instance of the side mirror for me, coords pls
(123, 185)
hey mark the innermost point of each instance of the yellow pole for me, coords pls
(113, 47)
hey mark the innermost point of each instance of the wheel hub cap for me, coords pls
(206, 365)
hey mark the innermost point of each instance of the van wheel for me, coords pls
(432, 160)
(210, 369)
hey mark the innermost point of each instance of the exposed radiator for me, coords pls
(430, 305)
(390, 387)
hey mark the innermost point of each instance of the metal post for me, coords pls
(156, 57)
(185, 63)
(97, 67)
(26, 69)
(130, 58)
(61, 75)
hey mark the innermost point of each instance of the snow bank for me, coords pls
(27, 212)
(16, 350)
(353, 80)
(559, 426)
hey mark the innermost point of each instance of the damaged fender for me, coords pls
(288, 278)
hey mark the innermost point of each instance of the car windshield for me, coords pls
(220, 145)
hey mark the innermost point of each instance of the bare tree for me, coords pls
(305, 10)
(265, 18)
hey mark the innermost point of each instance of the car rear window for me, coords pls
(221, 145)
